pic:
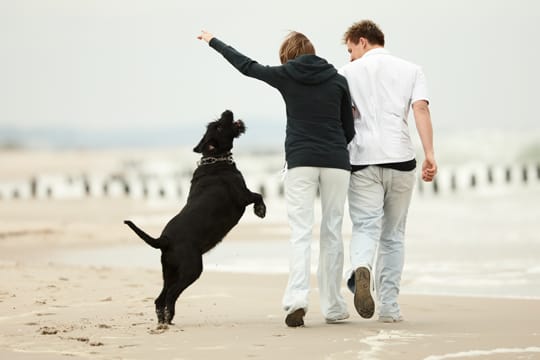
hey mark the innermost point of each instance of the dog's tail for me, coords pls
(147, 238)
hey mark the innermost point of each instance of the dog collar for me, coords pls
(212, 160)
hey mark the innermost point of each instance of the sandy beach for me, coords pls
(56, 304)
(53, 311)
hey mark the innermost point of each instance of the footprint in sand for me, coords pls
(52, 330)
(136, 313)
(86, 340)
(46, 330)
(45, 314)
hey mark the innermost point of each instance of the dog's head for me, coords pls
(220, 135)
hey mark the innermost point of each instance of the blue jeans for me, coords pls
(379, 200)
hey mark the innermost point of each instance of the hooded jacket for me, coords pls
(319, 111)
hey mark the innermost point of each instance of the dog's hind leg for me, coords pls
(169, 277)
(187, 272)
(160, 306)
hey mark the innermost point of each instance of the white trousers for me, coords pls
(301, 184)
(379, 200)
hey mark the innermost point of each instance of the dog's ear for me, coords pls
(227, 115)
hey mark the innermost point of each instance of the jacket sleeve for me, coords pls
(347, 119)
(246, 65)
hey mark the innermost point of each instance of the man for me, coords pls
(383, 89)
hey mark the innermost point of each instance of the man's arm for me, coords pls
(422, 118)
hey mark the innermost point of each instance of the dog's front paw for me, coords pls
(260, 210)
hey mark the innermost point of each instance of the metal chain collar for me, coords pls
(212, 160)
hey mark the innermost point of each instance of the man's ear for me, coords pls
(363, 42)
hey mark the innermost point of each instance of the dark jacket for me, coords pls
(319, 111)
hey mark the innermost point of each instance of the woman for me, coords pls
(319, 127)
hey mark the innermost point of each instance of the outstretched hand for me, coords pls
(205, 35)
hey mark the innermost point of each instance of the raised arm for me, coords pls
(241, 62)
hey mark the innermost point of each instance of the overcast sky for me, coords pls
(136, 64)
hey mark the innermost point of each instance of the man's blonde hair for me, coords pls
(294, 45)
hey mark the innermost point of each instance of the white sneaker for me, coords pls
(336, 319)
(390, 318)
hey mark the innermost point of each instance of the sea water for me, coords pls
(474, 245)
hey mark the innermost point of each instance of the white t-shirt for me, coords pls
(383, 87)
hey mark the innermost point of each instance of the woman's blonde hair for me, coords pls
(294, 45)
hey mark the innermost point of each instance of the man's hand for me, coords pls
(429, 168)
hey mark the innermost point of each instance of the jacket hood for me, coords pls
(309, 69)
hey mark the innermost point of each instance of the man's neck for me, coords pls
(371, 47)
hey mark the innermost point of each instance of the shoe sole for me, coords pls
(363, 301)
(296, 318)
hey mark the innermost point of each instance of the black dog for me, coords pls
(217, 199)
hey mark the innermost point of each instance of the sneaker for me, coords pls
(363, 300)
(390, 318)
(336, 319)
(296, 318)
